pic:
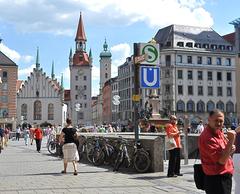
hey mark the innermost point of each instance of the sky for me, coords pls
(51, 25)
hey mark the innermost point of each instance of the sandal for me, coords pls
(63, 172)
(75, 173)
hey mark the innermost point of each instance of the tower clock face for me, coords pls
(80, 72)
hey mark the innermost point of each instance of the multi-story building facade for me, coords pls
(115, 106)
(8, 97)
(197, 72)
(80, 65)
(40, 99)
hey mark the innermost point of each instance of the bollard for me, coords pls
(185, 150)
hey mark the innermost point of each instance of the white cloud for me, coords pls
(25, 71)
(95, 73)
(14, 55)
(59, 17)
(119, 52)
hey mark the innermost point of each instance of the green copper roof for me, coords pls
(62, 81)
(70, 54)
(37, 59)
(53, 75)
(105, 52)
(90, 53)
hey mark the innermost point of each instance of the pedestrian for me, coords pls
(236, 162)
(215, 153)
(18, 132)
(38, 134)
(70, 153)
(6, 136)
(174, 154)
(200, 127)
(26, 135)
(31, 134)
(1, 137)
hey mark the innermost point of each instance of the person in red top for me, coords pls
(174, 154)
(215, 153)
(38, 138)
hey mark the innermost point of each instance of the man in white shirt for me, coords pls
(200, 127)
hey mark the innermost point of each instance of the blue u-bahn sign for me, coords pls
(149, 77)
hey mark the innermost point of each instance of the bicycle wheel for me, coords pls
(141, 161)
(98, 157)
(52, 148)
(89, 151)
(118, 161)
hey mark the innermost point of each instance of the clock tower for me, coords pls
(80, 65)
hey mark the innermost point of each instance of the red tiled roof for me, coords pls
(230, 38)
(80, 58)
(67, 95)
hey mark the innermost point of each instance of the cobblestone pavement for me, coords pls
(23, 170)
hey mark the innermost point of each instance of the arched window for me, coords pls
(229, 107)
(200, 106)
(180, 106)
(37, 110)
(190, 106)
(50, 111)
(210, 106)
(24, 111)
(220, 105)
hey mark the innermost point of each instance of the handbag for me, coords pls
(170, 143)
(198, 174)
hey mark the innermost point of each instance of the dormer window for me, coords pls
(168, 43)
(230, 48)
(221, 47)
(189, 44)
(206, 46)
(214, 46)
(198, 45)
(180, 44)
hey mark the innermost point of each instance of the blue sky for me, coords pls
(51, 26)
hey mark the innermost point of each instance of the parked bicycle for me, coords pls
(140, 159)
(52, 145)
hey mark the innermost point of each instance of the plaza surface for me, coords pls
(23, 170)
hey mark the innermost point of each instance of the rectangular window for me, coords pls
(189, 59)
(85, 97)
(190, 75)
(180, 74)
(85, 87)
(190, 90)
(76, 78)
(200, 90)
(76, 97)
(76, 87)
(229, 76)
(168, 60)
(4, 86)
(200, 75)
(219, 76)
(228, 62)
(180, 90)
(219, 61)
(229, 91)
(209, 75)
(199, 60)
(167, 73)
(85, 78)
(3, 112)
(85, 105)
(209, 60)
(179, 58)
(219, 91)
(210, 91)
(80, 115)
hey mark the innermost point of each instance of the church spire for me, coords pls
(53, 75)
(37, 59)
(70, 53)
(80, 36)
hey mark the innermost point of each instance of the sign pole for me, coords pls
(136, 90)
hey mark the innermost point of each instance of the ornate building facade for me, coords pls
(40, 99)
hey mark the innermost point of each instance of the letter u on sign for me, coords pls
(149, 77)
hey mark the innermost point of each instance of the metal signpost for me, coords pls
(147, 54)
